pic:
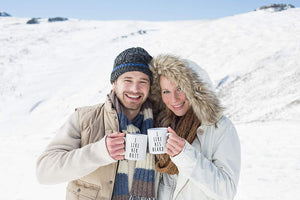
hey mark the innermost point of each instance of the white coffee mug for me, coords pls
(135, 146)
(157, 139)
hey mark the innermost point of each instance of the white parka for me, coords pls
(209, 168)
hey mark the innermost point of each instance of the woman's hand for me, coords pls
(174, 144)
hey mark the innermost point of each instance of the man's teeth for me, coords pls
(134, 97)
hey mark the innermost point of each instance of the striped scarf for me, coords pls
(144, 172)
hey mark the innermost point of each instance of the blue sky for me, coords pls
(148, 10)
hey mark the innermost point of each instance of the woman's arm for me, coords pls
(218, 177)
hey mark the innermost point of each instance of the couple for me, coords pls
(202, 159)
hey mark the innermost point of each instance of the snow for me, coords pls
(49, 69)
(270, 161)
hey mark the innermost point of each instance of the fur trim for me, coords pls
(191, 78)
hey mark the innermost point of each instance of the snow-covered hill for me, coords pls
(48, 69)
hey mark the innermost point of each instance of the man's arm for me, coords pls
(64, 159)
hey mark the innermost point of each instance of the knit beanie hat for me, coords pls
(132, 59)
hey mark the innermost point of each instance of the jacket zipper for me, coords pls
(115, 172)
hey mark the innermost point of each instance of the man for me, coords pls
(88, 150)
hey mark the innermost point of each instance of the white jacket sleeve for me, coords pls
(64, 159)
(218, 176)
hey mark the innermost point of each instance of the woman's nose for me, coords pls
(174, 97)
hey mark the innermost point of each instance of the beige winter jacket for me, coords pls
(78, 153)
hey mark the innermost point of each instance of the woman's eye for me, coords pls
(166, 92)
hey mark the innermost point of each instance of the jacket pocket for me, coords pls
(80, 190)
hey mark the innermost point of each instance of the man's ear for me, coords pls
(114, 85)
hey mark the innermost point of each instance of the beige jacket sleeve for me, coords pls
(65, 160)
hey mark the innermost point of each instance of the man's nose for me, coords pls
(135, 87)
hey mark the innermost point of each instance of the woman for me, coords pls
(202, 159)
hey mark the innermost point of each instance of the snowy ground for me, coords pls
(48, 69)
(270, 161)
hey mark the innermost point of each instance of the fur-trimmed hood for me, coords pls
(194, 82)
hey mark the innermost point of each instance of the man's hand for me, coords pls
(174, 144)
(115, 145)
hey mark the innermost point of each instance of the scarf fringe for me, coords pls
(140, 198)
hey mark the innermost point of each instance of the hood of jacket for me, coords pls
(195, 83)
